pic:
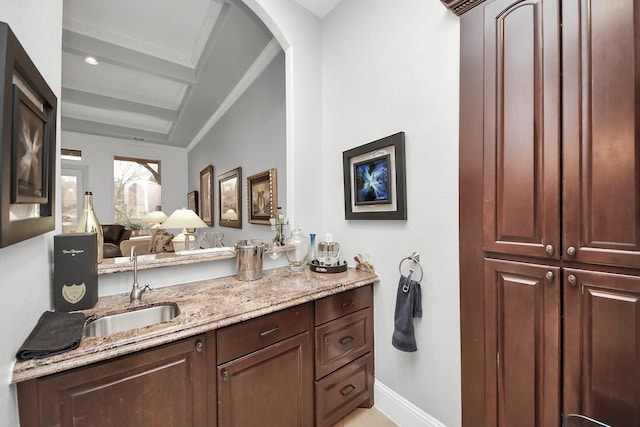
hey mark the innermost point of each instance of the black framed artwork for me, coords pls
(28, 145)
(374, 180)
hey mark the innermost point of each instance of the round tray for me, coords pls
(315, 266)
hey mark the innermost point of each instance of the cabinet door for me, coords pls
(521, 128)
(160, 387)
(522, 321)
(601, 154)
(602, 346)
(270, 387)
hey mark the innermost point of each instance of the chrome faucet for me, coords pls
(136, 291)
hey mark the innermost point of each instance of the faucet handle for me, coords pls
(146, 287)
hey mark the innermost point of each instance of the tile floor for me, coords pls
(365, 418)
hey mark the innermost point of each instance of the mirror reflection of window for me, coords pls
(72, 190)
(137, 190)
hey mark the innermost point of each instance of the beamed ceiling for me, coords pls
(168, 69)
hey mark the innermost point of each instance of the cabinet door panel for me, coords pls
(160, 387)
(270, 387)
(601, 153)
(602, 346)
(521, 139)
(522, 318)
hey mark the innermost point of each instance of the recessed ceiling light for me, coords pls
(91, 60)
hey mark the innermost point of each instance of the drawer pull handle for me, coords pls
(346, 340)
(269, 332)
(199, 346)
(346, 391)
(225, 375)
(347, 304)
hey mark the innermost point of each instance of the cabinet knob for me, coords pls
(225, 375)
(199, 346)
(571, 251)
(573, 280)
(549, 250)
(549, 276)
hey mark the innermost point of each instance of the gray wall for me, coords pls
(250, 135)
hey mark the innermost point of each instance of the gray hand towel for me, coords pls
(55, 333)
(408, 306)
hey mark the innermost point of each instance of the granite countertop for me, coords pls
(204, 306)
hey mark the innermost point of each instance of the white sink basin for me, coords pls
(121, 322)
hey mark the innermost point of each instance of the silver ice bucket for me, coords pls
(249, 259)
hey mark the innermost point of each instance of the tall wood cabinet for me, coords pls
(550, 211)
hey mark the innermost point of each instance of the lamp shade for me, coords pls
(156, 218)
(184, 218)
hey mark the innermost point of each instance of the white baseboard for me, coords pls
(400, 410)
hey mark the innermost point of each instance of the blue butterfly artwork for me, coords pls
(372, 181)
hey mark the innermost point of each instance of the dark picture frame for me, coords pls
(27, 161)
(374, 180)
(206, 195)
(230, 201)
(262, 196)
(192, 201)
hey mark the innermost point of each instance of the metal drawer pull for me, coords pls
(346, 391)
(347, 304)
(199, 346)
(269, 332)
(225, 375)
(346, 340)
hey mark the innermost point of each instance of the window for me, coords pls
(72, 189)
(137, 190)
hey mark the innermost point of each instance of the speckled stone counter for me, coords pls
(204, 306)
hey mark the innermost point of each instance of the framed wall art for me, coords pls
(206, 195)
(262, 196)
(192, 201)
(230, 206)
(374, 180)
(27, 144)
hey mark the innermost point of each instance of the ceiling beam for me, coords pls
(95, 100)
(81, 45)
(112, 131)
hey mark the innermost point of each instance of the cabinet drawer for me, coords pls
(343, 340)
(338, 305)
(344, 390)
(251, 335)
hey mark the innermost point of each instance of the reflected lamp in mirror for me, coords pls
(154, 219)
(184, 219)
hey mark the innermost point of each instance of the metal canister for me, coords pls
(249, 255)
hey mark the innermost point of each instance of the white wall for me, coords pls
(390, 67)
(26, 266)
(97, 157)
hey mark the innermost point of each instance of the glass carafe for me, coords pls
(298, 256)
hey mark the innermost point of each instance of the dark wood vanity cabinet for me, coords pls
(307, 365)
(344, 369)
(265, 370)
(165, 386)
(550, 212)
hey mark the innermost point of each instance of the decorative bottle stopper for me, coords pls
(88, 223)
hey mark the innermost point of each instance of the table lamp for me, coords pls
(184, 219)
(156, 218)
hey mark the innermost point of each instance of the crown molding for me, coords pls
(461, 6)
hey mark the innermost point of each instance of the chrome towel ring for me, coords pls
(413, 261)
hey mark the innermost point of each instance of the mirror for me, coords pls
(187, 85)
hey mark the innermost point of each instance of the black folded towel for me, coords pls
(408, 306)
(54, 333)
